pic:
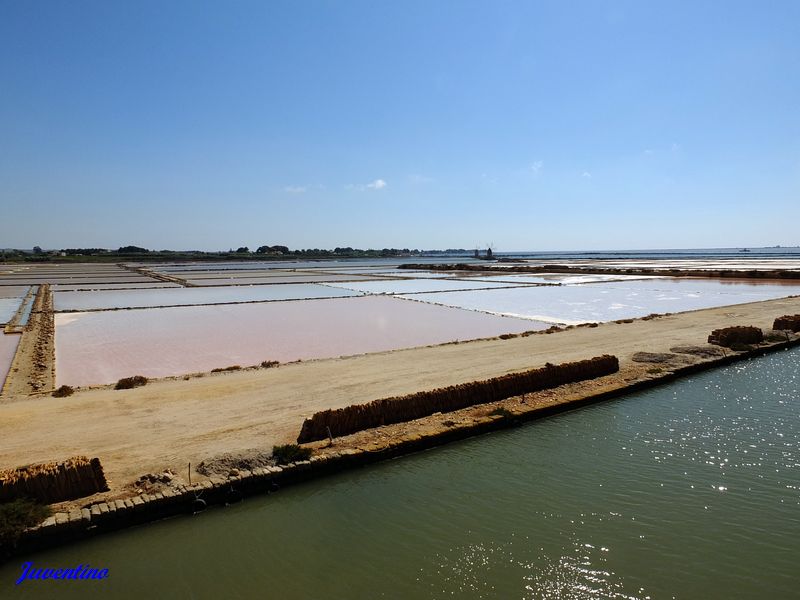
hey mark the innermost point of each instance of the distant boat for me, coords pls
(744, 250)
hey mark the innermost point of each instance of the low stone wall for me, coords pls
(343, 421)
(73, 478)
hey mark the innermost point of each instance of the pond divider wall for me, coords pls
(52, 482)
(399, 409)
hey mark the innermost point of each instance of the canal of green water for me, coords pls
(689, 490)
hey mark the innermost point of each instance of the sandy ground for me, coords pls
(170, 423)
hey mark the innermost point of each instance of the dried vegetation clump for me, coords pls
(739, 335)
(127, 383)
(63, 391)
(787, 323)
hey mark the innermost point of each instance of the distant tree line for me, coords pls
(96, 251)
(83, 251)
(272, 250)
(37, 254)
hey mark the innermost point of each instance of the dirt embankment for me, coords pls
(170, 423)
(768, 274)
(33, 369)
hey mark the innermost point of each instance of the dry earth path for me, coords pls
(169, 423)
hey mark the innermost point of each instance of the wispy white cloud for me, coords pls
(418, 179)
(586, 174)
(536, 167)
(295, 189)
(378, 184)
(648, 152)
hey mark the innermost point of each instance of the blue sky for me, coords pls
(531, 125)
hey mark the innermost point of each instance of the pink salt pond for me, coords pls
(102, 347)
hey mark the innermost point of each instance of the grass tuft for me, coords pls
(289, 453)
(18, 515)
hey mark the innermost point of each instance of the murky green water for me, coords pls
(691, 490)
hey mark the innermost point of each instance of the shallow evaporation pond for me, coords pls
(8, 347)
(407, 273)
(87, 276)
(242, 266)
(96, 300)
(9, 307)
(688, 490)
(27, 309)
(102, 347)
(561, 278)
(276, 279)
(673, 263)
(410, 286)
(85, 282)
(572, 304)
(248, 266)
(13, 291)
(233, 275)
(77, 275)
(113, 286)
